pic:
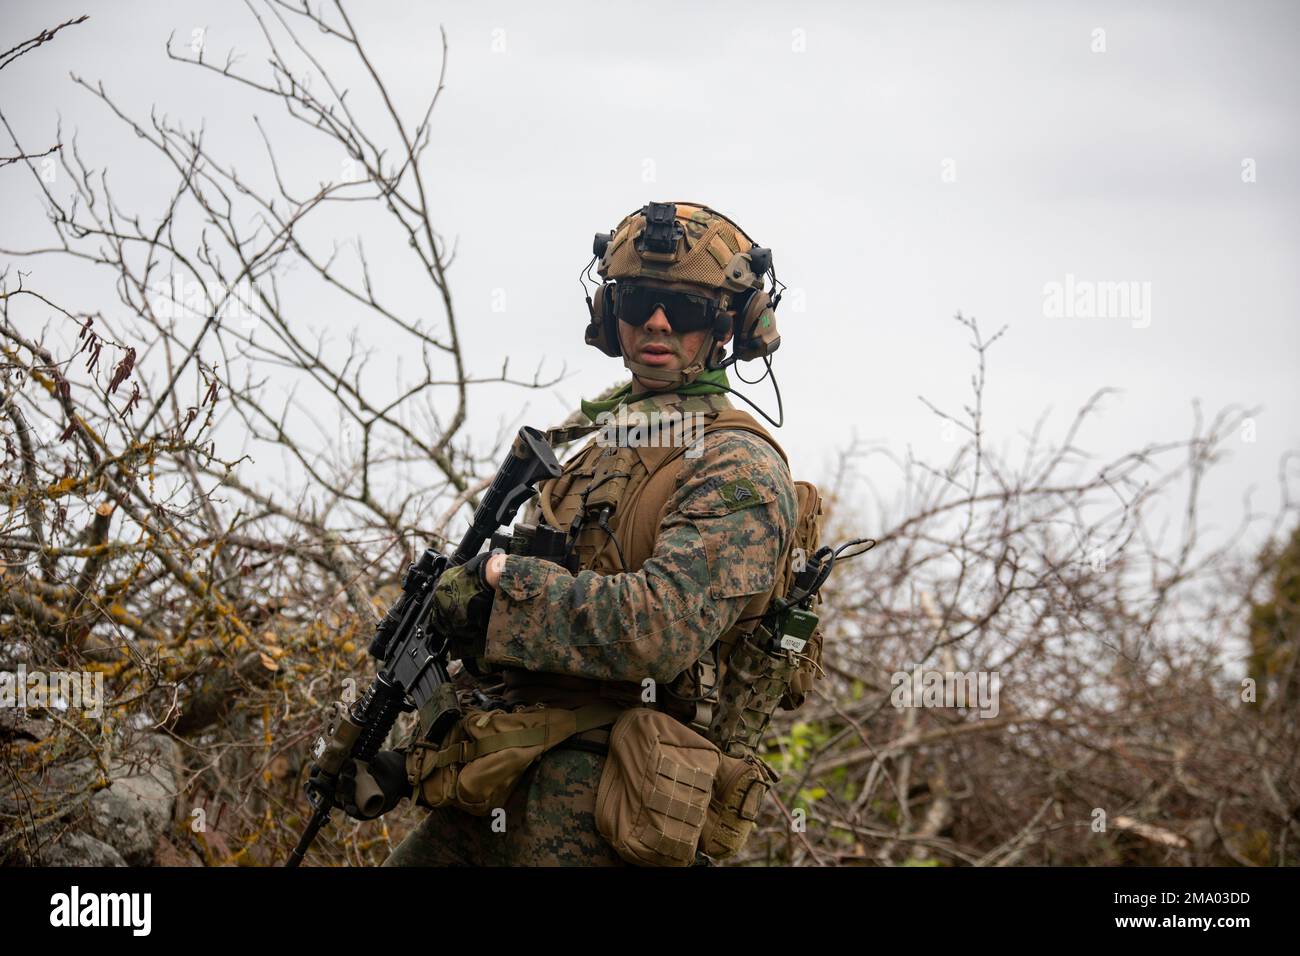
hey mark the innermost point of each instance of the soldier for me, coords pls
(679, 543)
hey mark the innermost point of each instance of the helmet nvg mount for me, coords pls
(686, 248)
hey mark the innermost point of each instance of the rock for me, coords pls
(136, 809)
(130, 816)
(169, 854)
(80, 849)
(16, 723)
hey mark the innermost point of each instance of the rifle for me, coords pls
(412, 656)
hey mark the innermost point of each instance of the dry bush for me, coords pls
(225, 608)
(1127, 728)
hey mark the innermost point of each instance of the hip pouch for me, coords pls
(478, 764)
(666, 792)
(653, 799)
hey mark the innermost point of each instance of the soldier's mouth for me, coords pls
(656, 354)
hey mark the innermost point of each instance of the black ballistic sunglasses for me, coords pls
(635, 303)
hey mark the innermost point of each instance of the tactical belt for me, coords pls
(592, 741)
(565, 690)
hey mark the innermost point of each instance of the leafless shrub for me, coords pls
(225, 609)
(1123, 730)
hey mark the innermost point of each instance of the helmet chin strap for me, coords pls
(669, 377)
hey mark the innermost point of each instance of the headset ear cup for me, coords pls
(756, 334)
(755, 306)
(601, 331)
(613, 347)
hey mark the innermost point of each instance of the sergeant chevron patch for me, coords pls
(739, 494)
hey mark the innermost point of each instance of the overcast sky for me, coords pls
(904, 161)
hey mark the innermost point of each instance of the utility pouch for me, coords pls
(654, 792)
(613, 468)
(757, 681)
(738, 793)
(478, 764)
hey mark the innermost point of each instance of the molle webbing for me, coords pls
(637, 526)
(750, 697)
(636, 512)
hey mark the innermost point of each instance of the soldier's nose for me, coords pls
(658, 321)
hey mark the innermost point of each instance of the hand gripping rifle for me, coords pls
(412, 656)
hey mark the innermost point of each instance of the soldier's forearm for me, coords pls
(626, 627)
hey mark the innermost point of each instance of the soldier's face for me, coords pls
(655, 343)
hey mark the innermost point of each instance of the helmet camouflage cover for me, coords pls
(710, 251)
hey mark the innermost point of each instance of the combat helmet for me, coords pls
(700, 260)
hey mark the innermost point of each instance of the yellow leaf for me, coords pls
(60, 487)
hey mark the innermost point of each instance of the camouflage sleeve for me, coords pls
(724, 530)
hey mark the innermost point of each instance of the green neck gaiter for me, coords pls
(709, 382)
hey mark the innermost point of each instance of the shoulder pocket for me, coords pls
(725, 497)
(737, 524)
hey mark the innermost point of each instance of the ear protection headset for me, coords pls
(750, 315)
(755, 333)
